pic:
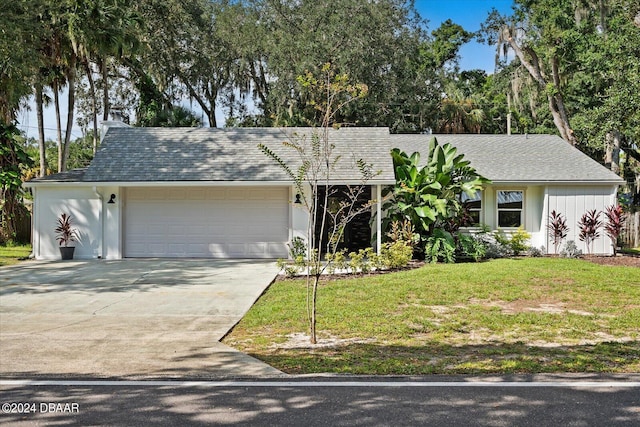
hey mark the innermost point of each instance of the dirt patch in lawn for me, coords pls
(620, 259)
(302, 341)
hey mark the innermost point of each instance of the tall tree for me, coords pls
(377, 43)
(539, 33)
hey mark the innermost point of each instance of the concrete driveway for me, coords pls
(129, 318)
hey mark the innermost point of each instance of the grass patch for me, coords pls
(12, 254)
(502, 316)
(630, 251)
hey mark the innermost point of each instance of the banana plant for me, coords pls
(429, 194)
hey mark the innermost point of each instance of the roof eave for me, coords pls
(32, 184)
(558, 182)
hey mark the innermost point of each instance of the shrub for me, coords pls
(394, 255)
(470, 247)
(518, 241)
(440, 246)
(557, 229)
(494, 248)
(297, 248)
(290, 269)
(589, 228)
(536, 252)
(336, 261)
(402, 231)
(356, 261)
(571, 250)
(615, 222)
(502, 238)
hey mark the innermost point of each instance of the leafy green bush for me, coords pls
(570, 250)
(394, 255)
(297, 261)
(494, 247)
(519, 241)
(440, 246)
(470, 247)
(537, 252)
(336, 261)
(356, 261)
(297, 248)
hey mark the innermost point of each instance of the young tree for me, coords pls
(312, 177)
(534, 34)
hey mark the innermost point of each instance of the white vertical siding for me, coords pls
(572, 202)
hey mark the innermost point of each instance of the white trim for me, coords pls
(523, 216)
(100, 221)
(31, 184)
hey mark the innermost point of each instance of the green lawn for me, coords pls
(500, 316)
(13, 254)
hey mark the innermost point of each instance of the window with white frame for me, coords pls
(510, 208)
(473, 206)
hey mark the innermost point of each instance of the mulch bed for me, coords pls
(620, 259)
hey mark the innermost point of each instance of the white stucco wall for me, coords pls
(83, 204)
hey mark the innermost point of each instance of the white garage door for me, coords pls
(218, 222)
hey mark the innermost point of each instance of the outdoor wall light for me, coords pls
(112, 199)
(298, 202)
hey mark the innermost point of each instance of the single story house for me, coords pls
(211, 193)
(532, 175)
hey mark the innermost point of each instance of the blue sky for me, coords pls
(469, 14)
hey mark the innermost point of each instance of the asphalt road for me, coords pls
(324, 402)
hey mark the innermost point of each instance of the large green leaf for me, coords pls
(425, 212)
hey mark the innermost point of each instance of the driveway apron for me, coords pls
(130, 318)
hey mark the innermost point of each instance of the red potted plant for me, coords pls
(65, 234)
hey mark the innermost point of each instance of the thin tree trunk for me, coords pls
(314, 339)
(71, 78)
(41, 141)
(105, 91)
(94, 104)
(208, 109)
(56, 101)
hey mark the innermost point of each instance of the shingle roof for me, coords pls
(204, 154)
(231, 154)
(516, 158)
(73, 175)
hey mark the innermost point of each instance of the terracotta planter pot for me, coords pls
(66, 252)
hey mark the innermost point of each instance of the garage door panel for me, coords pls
(215, 222)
